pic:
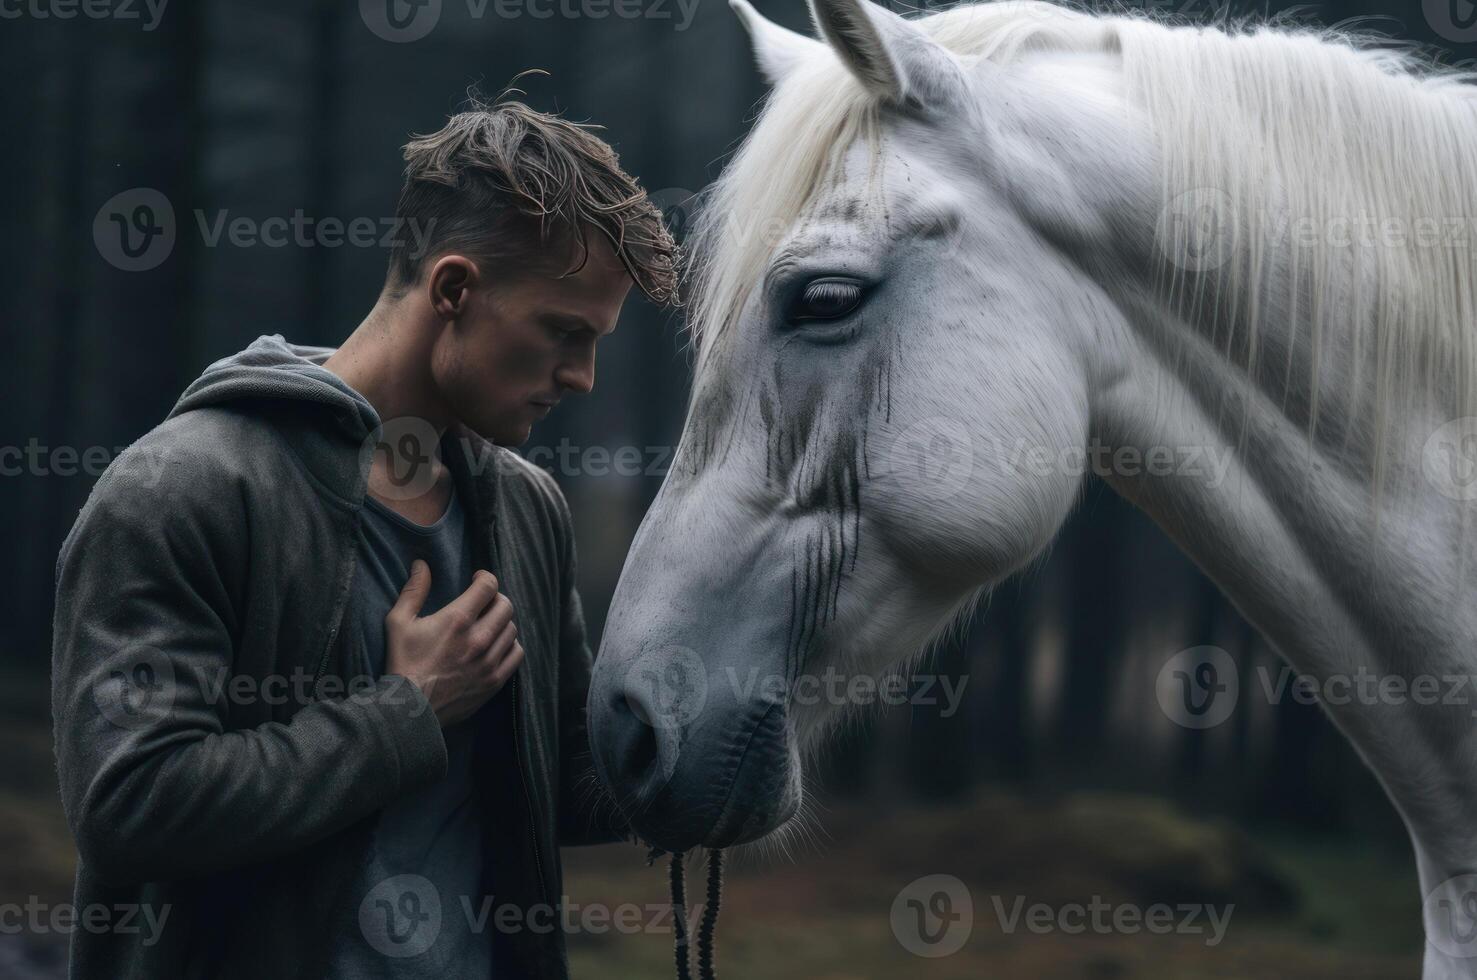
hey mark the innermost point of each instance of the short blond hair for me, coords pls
(522, 189)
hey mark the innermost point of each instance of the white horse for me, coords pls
(1020, 237)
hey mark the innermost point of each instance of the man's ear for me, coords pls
(450, 285)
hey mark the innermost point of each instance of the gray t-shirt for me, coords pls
(409, 919)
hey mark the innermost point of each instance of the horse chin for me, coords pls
(701, 809)
(738, 825)
(748, 825)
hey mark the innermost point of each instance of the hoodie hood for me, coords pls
(273, 368)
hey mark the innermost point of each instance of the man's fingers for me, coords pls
(501, 642)
(479, 596)
(494, 619)
(508, 664)
(497, 619)
(413, 595)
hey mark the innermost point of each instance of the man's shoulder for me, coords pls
(173, 483)
(201, 456)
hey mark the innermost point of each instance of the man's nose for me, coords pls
(578, 376)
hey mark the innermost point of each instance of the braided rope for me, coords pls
(679, 918)
(710, 915)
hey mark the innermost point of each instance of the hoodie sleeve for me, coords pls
(153, 784)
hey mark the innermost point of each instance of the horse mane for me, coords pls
(1347, 124)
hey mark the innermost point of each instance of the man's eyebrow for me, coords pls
(568, 321)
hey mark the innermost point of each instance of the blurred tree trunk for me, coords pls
(1012, 643)
(116, 344)
(1097, 626)
(50, 245)
(325, 68)
(939, 763)
(1242, 762)
(1205, 622)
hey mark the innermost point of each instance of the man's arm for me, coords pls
(153, 786)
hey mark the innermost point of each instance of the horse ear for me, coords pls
(891, 57)
(777, 49)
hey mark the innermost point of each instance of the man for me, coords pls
(320, 667)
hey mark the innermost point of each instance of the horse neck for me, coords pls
(1337, 566)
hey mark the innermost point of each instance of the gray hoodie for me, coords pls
(217, 775)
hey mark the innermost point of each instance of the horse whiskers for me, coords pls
(594, 797)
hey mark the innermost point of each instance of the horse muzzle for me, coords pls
(690, 755)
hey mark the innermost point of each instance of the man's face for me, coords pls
(525, 341)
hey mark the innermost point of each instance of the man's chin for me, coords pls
(510, 438)
(501, 430)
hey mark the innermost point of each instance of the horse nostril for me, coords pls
(637, 749)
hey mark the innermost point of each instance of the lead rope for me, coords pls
(710, 915)
(679, 918)
(707, 929)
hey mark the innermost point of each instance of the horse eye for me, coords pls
(830, 298)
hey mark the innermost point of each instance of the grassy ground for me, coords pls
(1304, 908)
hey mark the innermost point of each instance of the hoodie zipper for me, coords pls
(341, 605)
(323, 661)
(538, 863)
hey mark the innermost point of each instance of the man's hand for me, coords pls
(460, 656)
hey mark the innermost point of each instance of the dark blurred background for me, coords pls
(1059, 775)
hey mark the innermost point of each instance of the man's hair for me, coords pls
(520, 189)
